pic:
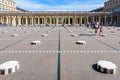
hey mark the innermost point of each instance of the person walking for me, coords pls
(101, 30)
(96, 25)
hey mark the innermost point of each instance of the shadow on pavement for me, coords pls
(94, 66)
(86, 34)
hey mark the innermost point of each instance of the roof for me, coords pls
(9, 64)
(54, 13)
(98, 9)
(117, 11)
(107, 64)
(20, 9)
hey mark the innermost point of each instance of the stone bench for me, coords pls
(118, 29)
(84, 29)
(109, 27)
(26, 31)
(112, 31)
(103, 35)
(106, 67)
(9, 67)
(44, 35)
(81, 42)
(48, 31)
(8, 28)
(90, 31)
(73, 35)
(4, 31)
(14, 35)
(35, 42)
(69, 31)
(15, 29)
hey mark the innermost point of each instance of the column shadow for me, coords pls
(94, 67)
(86, 34)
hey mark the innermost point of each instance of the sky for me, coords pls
(59, 5)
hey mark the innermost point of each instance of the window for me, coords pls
(11, 4)
(15, 67)
(111, 71)
(109, 3)
(10, 70)
(113, 2)
(2, 71)
(106, 4)
(8, 3)
(3, 1)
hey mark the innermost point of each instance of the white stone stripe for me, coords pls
(59, 51)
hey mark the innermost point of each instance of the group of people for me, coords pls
(97, 26)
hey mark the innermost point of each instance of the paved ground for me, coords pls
(58, 57)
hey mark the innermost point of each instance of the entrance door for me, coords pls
(10, 70)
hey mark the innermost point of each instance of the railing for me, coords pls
(53, 13)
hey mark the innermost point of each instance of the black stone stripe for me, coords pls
(58, 65)
(18, 41)
(106, 44)
(103, 43)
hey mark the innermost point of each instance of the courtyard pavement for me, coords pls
(58, 57)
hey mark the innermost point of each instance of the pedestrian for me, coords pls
(101, 30)
(88, 25)
(96, 25)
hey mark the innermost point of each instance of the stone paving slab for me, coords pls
(40, 62)
(80, 66)
(37, 66)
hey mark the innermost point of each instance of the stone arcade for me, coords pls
(57, 18)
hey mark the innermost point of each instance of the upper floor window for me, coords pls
(113, 2)
(108, 3)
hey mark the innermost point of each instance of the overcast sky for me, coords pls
(60, 5)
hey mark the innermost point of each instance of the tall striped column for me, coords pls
(32, 21)
(26, 21)
(19, 20)
(69, 20)
(56, 20)
(38, 20)
(7, 20)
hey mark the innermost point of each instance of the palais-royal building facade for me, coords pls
(7, 5)
(111, 5)
(58, 17)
